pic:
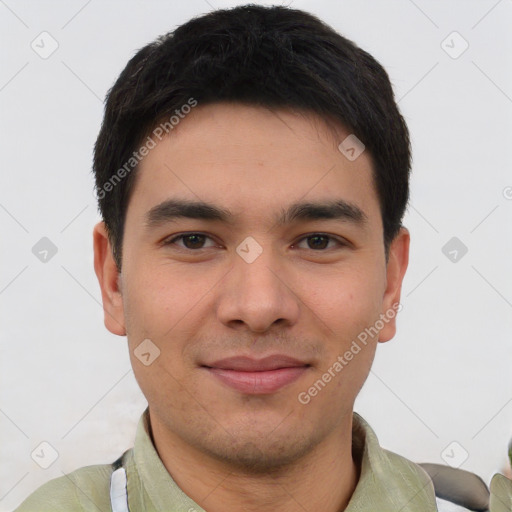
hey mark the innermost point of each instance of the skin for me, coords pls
(226, 449)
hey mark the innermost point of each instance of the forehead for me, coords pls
(253, 162)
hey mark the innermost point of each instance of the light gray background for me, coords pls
(447, 374)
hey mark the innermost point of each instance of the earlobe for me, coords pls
(109, 280)
(395, 271)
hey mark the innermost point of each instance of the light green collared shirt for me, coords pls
(388, 482)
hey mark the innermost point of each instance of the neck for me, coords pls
(323, 479)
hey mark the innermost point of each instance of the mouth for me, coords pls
(257, 376)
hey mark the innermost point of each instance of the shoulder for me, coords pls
(411, 482)
(501, 494)
(85, 489)
(407, 469)
(387, 466)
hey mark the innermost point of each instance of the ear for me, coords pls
(108, 277)
(395, 271)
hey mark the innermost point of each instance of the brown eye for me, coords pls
(191, 241)
(320, 241)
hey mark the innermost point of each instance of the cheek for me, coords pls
(157, 307)
(167, 306)
(159, 297)
(347, 301)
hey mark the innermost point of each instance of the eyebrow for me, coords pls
(173, 209)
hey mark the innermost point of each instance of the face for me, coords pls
(250, 303)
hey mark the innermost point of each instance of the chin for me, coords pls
(256, 453)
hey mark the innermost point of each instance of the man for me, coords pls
(252, 174)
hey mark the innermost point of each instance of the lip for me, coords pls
(250, 364)
(257, 376)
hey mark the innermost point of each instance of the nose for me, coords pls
(258, 295)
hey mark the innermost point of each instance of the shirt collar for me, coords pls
(159, 485)
(387, 482)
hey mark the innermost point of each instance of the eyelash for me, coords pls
(171, 241)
